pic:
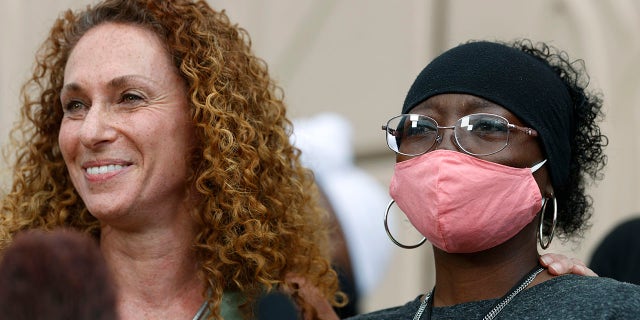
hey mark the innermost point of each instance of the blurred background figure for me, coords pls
(356, 200)
(55, 275)
(618, 255)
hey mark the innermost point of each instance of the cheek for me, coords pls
(185, 133)
(184, 144)
(172, 141)
(67, 139)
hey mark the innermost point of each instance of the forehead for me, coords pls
(448, 106)
(112, 48)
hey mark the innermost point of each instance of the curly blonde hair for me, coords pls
(259, 220)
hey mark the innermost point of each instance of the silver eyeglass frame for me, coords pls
(388, 133)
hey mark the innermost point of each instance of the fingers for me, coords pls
(583, 270)
(314, 297)
(558, 264)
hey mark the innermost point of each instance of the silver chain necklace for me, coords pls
(423, 305)
(495, 310)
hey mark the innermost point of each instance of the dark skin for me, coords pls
(491, 273)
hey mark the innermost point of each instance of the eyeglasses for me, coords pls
(478, 134)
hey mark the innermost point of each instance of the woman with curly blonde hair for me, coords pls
(152, 126)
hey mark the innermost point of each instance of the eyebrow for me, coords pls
(126, 79)
(70, 87)
(117, 82)
(480, 103)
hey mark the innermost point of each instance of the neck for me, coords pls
(484, 275)
(155, 270)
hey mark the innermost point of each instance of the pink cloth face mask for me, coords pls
(463, 204)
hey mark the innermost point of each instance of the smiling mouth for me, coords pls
(104, 169)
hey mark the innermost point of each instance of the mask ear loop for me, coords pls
(543, 244)
(386, 228)
(538, 166)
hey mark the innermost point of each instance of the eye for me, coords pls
(73, 106)
(421, 128)
(427, 126)
(489, 125)
(131, 98)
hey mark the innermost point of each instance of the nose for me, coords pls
(446, 139)
(97, 129)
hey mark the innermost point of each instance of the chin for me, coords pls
(105, 211)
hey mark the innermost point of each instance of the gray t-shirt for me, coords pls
(567, 297)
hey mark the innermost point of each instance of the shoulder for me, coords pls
(587, 286)
(580, 297)
(403, 312)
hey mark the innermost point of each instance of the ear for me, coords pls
(543, 179)
(548, 191)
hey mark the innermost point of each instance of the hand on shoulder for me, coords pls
(558, 264)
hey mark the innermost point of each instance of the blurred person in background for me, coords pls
(618, 254)
(56, 275)
(354, 197)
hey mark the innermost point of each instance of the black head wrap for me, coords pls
(517, 81)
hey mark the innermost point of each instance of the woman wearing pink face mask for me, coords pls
(495, 144)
